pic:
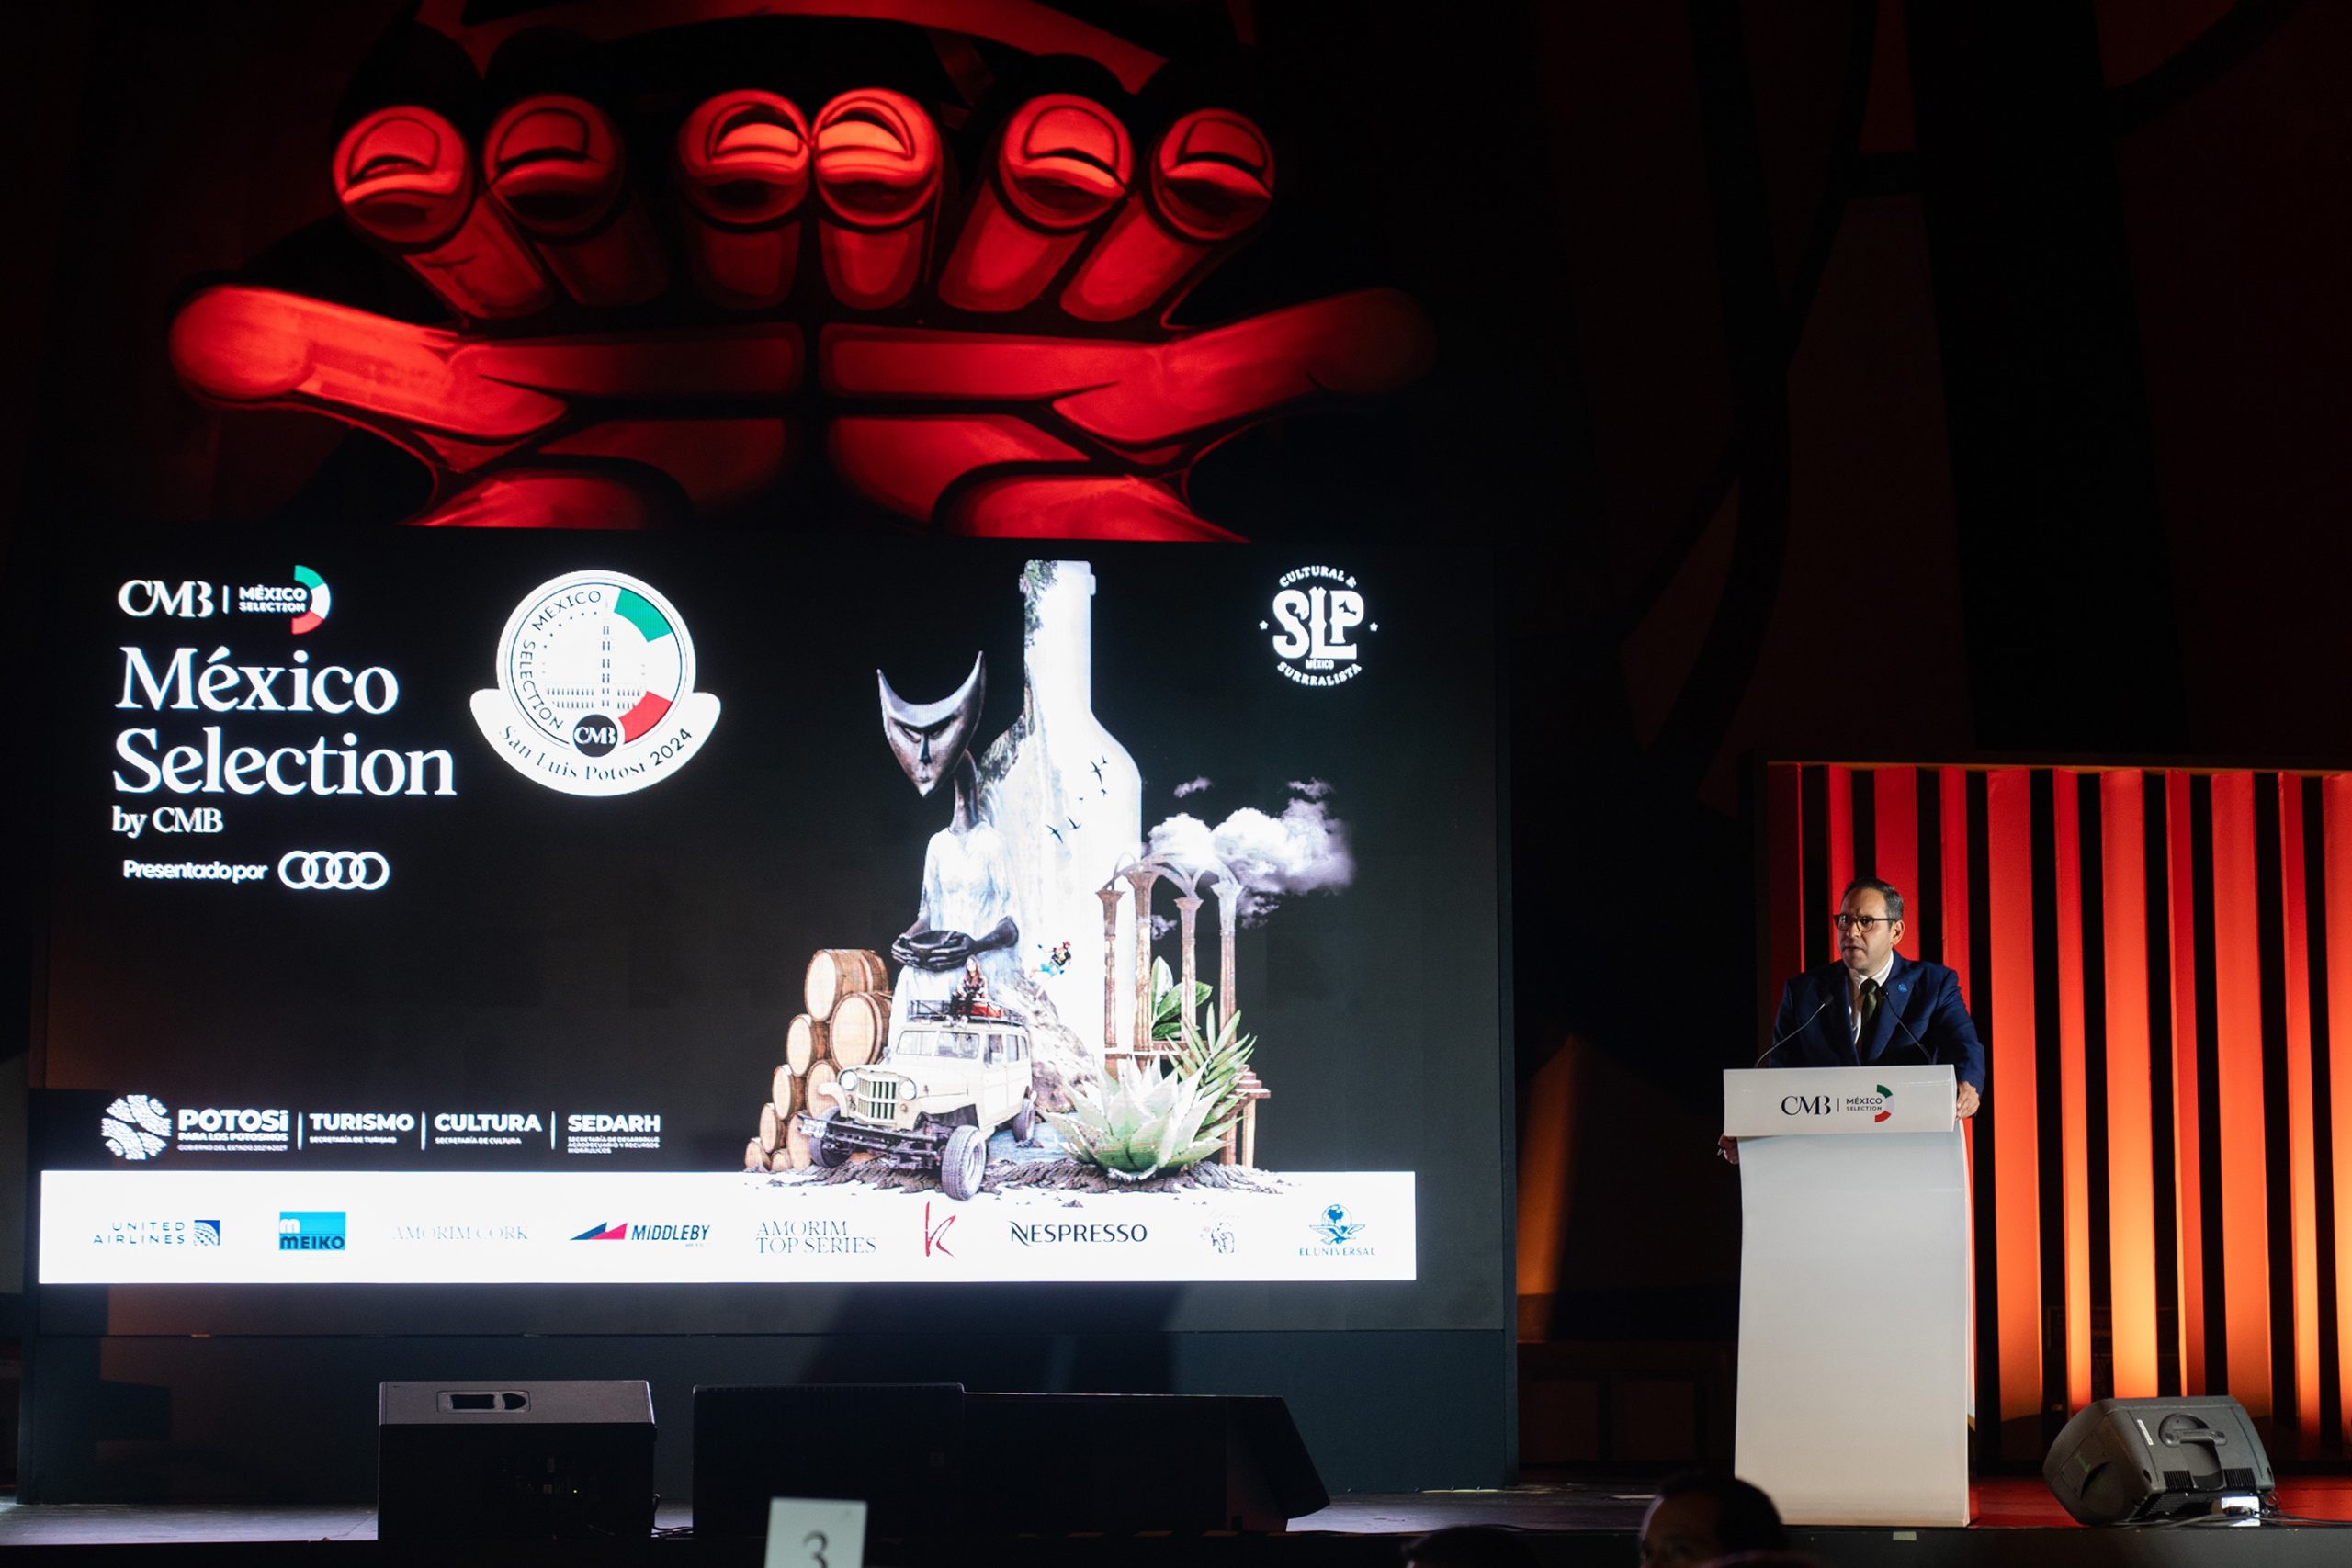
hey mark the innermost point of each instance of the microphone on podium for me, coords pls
(1792, 1033)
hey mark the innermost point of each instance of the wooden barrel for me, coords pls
(838, 972)
(770, 1128)
(784, 1090)
(803, 1042)
(861, 1027)
(821, 1091)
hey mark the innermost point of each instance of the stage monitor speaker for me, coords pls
(896, 1447)
(2125, 1460)
(1217, 1462)
(930, 1459)
(514, 1460)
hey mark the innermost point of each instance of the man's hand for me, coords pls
(1966, 1102)
(1727, 1147)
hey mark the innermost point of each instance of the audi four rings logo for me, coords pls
(335, 871)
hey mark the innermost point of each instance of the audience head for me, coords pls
(1700, 1517)
(1469, 1546)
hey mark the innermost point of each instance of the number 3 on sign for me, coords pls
(812, 1532)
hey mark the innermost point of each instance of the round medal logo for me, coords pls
(595, 687)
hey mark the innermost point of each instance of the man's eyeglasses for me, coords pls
(1863, 923)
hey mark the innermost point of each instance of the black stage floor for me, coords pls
(1567, 1523)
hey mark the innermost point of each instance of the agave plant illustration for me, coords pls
(1160, 1117)
(1167, 1009)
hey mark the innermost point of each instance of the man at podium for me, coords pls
(1873, 1004)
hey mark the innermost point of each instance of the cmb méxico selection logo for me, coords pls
(595, 687)
(306, 600)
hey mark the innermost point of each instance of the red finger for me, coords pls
(1209, 180)
(1144, 395)
(1059, 166)
(406, 181)
(906, 464)
(260, 346)
(542, 498)
(743, 171)
(557, 166)
(428, 388)
(1078, 507)
(879, 169)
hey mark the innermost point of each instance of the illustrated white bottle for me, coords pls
(1068, 800)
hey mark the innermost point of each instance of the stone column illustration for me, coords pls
(1187, 908)
(1228, 898)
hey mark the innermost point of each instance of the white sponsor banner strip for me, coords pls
(532, 1227)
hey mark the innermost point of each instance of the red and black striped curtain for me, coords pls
(2163, 1167)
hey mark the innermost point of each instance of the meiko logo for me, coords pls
(595, 687)
(1317, 611)
(309, 1230)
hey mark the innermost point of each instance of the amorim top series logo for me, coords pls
(595, 693)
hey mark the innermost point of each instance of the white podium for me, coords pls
(1853, 1294)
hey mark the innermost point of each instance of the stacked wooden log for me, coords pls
(847, 1025)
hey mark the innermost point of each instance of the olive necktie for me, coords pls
(1870, 1014)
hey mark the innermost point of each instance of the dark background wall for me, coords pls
(1838, 380)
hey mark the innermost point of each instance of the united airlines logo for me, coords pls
(595, 687)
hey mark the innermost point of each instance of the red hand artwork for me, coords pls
(999, 365)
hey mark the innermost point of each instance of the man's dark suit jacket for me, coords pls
(1920, 1018)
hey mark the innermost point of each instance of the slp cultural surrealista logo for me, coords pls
(136, 1126)
(1317, 613)
(596, 697)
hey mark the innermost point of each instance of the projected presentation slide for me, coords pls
(572, 908)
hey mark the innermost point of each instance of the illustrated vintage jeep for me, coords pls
(955, 1073)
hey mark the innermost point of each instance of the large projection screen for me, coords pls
(468, 914)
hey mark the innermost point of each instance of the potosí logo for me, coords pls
(309, 1230)
(595, 695)
(136, 1126)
